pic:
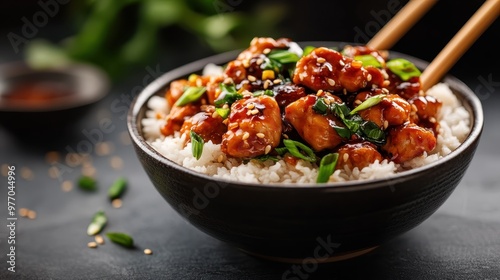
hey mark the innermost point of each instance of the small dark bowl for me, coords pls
(288, 223)
(75, 87)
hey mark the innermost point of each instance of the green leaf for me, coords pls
(228, 95)
(97, 224)
(197, 144)
(191, 94)
(299, 150)
(368, 60)
(117, 189)
(320, 106)
(267, 92)
(403, 68)
(327, 167)
(308, 50)
(87, 183)
(283, 56)
(121, 239)
(343, 132)
(373, 133)
(223, 112)
(370, 102)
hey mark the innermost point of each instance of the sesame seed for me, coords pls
(148, 252)
(260, 135)
(199, 82)
(432, 120)
(225, 106)
(99, 239)
(321, 60)
(246, 63)
(319, 93)
(215, 114)
(225, 121)
(369, 77)
(345, 157)
(386, 83)
(277, 81)
(23, 212)
(228, 80)
(220, 158)
(67, 186)
(331, 81)
(259, 61)
(386, 124)
(267, 50)
(327, 101)
(245, 136)
(251, 78)
(342, 63)
(357, 102)
(414, 107)
(117, 203)
(285, 136)
(232, 126)
(92, 244)
(385, 91)
(266, 84)
(31, 215)
(268, 149)
(250, 106)
(255, 111)
(116, 162)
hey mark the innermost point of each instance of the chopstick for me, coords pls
(400, 24)
(460, 43)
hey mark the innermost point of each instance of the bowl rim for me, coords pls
(96, 84)
(467, 96)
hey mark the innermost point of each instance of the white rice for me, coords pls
(454, 128)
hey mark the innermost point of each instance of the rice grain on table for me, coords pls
(454, 127)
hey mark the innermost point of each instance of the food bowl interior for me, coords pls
(285, 221)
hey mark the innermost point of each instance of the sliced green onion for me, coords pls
(117, 189)
(403, 68)
(327, 167)
(97, 224)
(343, 132)
(368, 60)
(341, 110)
(196, 144)
(320, 106)
(293, 148)
(267, 92)
(308, 50)
(87, 183)
(281, 150)
(121, 239)
(283, 56)
(267, 157)
(191, 94)
(223, 112)
(228, 95)
(370, 102)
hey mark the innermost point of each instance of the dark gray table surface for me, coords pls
(460, 241)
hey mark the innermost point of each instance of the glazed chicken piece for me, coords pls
(175, 90)
(258, 45)
(427, 108)
(357, 155)
(208, 125)
(316, 129)
(288, 93)
(253, 128)
(392, 110)
(406, 89)
(352, 51)
(327, 69)
(408, 141)
(177, 116)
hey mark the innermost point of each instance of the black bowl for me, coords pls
(291, 222)
(73, 89)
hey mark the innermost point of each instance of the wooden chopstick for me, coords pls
(460, 43)
(400, 24)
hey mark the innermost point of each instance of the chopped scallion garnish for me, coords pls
(121, 239)
(368, 60)
(327, 167)
(191, 94)
(228, 95)
(370, 102)
(223, 112)
(117, 188)
(300, 150)
(97, 224)
(197, 144)
(283, 56)
(403, 68)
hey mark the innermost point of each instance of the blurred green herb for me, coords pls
(117, 189)
(117, 35)
(121, 238)
(87, 183)
(98, 222)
